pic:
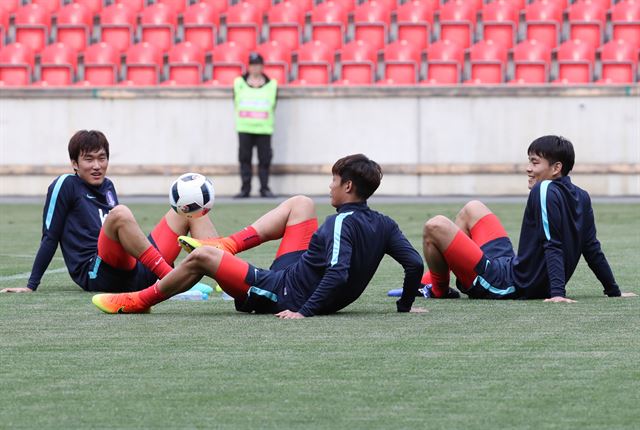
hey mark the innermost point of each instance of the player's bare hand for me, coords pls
(417, 310)
(289, 315)
(628, 295)
(16, 290)
(559, 300)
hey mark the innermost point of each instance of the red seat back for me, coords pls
(101, 62)
(16, 64)
(200, 21)
(58, 64)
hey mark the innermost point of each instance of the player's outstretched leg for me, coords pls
(456, 246)
(270, 226)
(122, 242)
(228, 270)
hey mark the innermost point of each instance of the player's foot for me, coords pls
(397, 292)
(124, 303)
(224, 243)
(242, 195)
(427, 292)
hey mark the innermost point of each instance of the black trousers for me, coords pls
(247, 142)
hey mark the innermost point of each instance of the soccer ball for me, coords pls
(191, 195)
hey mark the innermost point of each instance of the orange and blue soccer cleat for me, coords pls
(224, 243)
(123, 303)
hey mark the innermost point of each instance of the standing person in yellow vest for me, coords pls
(254, 96)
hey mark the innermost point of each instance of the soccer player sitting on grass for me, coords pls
(557, 228)
(314, 273)
(102, 244)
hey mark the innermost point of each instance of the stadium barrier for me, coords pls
(430, 141)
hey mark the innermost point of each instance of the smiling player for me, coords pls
(102, 244)
(557, 228)
(314, 273)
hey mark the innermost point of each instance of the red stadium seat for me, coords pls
(315, 63)
(488, 60)
(220, 6)
(304, 5)
(200, 21)
(117, 26)
(263, 5)
(58, 64)
(542, 20)
(347, 5)
(74, 23)
(177, 5)
(51, 6)
(10, 5)
(401, 62)
(158, 23)
(415, 19)
(32, 23)
(358, 60)
(285, 21)
(101, 64)
(371, 22)
(4, 24)
(586, 20)
(143, 63)
(16, 64)
(135, 5)
(531, 61)
(444, 62)
(186, 64)
(229, 61)
(389, 4)
(625, 20)
(575, 62)
(518, 4)
(277, 60)
(244, 21)
(328, 24)
(499, 22)
(94, 6)
(457, 22)
(619, 60)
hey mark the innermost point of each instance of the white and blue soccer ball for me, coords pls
(192, 195)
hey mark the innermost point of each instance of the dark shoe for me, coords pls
(242, 195)
(428, 293)
(266, 193)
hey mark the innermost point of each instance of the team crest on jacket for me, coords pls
(110, 199)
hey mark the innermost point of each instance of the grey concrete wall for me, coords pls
(409, 128)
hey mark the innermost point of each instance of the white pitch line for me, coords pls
(30, 256)
(26, 275)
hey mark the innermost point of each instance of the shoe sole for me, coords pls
(184, 244)
(120, 310)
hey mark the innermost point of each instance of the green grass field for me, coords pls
(462, 365)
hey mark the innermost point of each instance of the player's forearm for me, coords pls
(410, 286)
(602, 270)
(41, 263)
(555, 271)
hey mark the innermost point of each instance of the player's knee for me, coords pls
(302, 202)
(435, 227)
(204, 257)
(120, 214)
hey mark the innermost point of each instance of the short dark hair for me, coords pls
(365, 174)
(85, 141)
(554, 149)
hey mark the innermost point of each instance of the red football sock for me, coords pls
(426, 278)
(440, 283)
(152, 260)
(151, 296)
(246, 238)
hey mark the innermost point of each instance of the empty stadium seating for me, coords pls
(321, 42)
